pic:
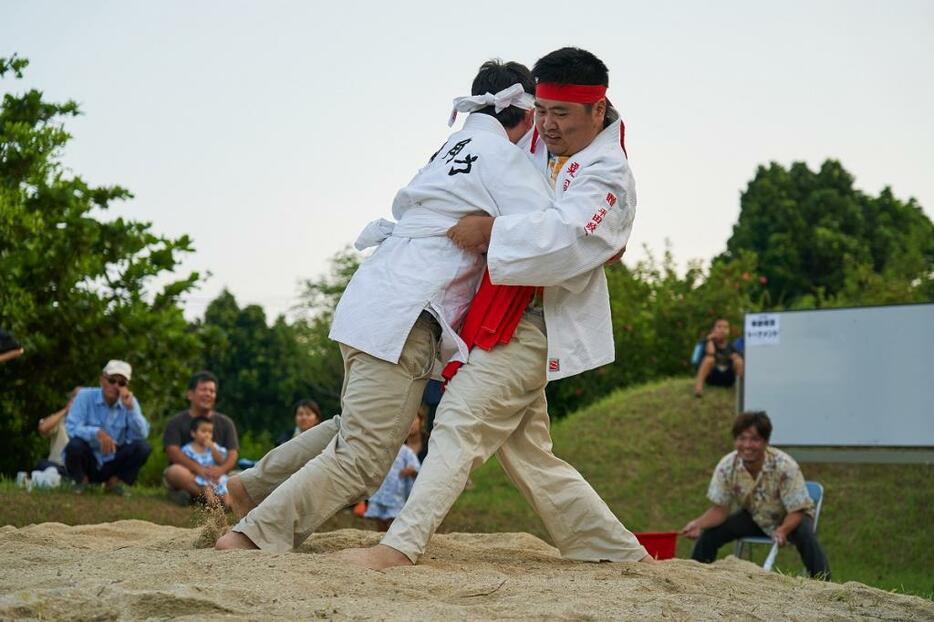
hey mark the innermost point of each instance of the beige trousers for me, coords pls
(303, 482)
(496, 403)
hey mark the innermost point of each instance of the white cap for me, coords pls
(118, 368)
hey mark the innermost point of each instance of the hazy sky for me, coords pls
(271, 132)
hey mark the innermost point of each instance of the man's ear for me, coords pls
(529, 119)
(599, 109)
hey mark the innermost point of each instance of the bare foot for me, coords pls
(234, 540)
(237, 498)
(698, 392)
(378, 557)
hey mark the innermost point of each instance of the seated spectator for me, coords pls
(107, 433)
(722, 363)
(203, 450)
(769, 489)
(10, 348)
(53, 428)
(180, 476)
(307, 416)
(386, 503)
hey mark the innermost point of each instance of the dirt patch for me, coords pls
(131, 570)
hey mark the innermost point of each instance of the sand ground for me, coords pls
(135, 570)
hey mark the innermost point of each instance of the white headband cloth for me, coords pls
(514, 95)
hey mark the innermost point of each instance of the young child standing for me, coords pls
(203, 450)
(387, 501)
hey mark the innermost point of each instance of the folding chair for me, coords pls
(816, 491)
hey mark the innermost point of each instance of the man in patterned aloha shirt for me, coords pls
(767, 486)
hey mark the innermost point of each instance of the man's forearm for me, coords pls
(713, 517)
(548, 255)
(86, 432)
(9, 355)
(138, 424)
(47, 424)
(791, 522)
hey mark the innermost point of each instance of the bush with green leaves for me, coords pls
(76, 289)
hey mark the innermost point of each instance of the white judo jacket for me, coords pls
(564, 249)
(416, 267)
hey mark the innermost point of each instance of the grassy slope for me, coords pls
(649, 452)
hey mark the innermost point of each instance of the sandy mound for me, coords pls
(132, 570)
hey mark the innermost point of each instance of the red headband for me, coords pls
(577, 93)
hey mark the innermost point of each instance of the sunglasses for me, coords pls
(117, 380)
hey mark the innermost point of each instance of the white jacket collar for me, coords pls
(485, 123)
(608, 139)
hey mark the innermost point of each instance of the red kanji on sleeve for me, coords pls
(590, 227)
(553, 365)
(610, 199)
(573, 168)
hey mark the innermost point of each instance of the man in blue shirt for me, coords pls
(108, 432)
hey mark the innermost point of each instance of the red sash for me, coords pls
(492, 318)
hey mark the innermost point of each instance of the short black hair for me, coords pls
(575, 66)
(197, 421)
(753, 419)
(493, 76)
(201, 376)
(310, 405)
(571, 66)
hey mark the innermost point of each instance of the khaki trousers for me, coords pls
(496, 403)
(303, 482)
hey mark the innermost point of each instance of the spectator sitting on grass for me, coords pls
(179, 476)
(722, 364)
(203, 450)
(307, 416)
(769, 489)
(107, 433)
(53, 428)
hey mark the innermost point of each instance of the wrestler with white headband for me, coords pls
(397, 318)
(514, 95)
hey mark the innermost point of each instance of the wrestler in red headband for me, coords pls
(571, 107)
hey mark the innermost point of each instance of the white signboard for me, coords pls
(861, 377)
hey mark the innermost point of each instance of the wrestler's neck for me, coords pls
(521, 128)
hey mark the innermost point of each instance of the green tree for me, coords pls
(76, 290)
(264, 369)
(318, 301)
(818, 237)
(658, 314)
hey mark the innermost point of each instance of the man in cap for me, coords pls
(496, 402)
(107, 432)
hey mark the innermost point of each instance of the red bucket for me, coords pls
(660, 545)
